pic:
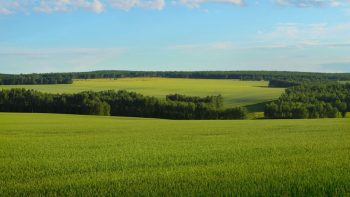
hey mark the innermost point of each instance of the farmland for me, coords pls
(235, 92)
(174, 98)
(47, 154)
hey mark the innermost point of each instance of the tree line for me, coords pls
(278, 83)
(118, 103)
(281, 83)
(214, 101)
(322, 100)
(52, 78)
(35, 79)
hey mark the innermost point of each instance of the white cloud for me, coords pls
(97, 6)
(198, 3)
(51, 6)
(10, 7)
(312, 3)
(291, 32)
(301, 45)
(41, 52)
(5, 11)
(284, 36)
(207, 46)
(129, 4)
(56, 59)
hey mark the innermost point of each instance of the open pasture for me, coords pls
(71, 155)
(235, 92)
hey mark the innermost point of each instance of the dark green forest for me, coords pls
(308, 95)
(280, 83)
(66, 78)
(30, 79)
(318, 100)
(118, 103)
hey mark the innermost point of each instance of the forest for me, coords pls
(118, 103)
(35, 79)
(311, 101)
(66, 78)
(278, 83)
(308, 95)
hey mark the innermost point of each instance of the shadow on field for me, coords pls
(258, 107)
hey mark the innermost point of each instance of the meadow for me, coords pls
(235, 92)
(73, 155)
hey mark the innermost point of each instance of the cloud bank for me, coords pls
(312, 3)
(198, 3)
(97, 6)
(8, 7)
(50, 59)
(68, 5)
(129, 4)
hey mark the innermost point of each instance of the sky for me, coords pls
(85, 35)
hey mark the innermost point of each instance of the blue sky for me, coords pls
(84, 35)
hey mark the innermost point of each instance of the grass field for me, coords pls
(46, 154)
(235, 93)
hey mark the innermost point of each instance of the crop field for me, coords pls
(235, 92)
(72, 155)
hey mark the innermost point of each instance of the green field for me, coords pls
(46, 154)
(235, 92)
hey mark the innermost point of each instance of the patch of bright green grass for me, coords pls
(235, 92)
(71, 155)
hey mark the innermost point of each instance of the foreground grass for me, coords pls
(235, 93)
(46, 154)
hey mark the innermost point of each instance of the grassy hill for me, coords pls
(47, 154)
(235, 92)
